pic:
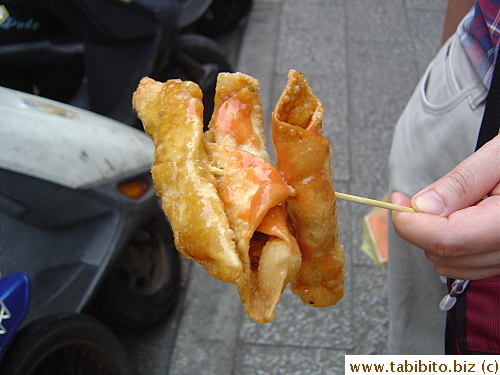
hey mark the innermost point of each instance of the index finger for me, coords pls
(465, 185)
(470, 230)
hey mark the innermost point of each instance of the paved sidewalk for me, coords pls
(362, 58)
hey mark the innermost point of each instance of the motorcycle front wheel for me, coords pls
(199, 59)
(222, 16)
(144, 283)
(66, 344)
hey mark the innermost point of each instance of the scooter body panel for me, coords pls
(63, 219)
(65, 239)
(66, 145)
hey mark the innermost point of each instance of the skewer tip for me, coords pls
(373, 202)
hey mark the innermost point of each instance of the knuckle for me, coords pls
(450, 244)
(440, 270)
(459, 183)
(431, 257)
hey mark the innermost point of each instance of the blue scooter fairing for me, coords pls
(14, 304)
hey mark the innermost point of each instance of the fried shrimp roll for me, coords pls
(275, 260)
(303, 158)
(172, 114)
(251, 189)
(237, 118)
(258, 226)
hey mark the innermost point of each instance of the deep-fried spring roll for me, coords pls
(275, 260)
(237, 118)
(251, 189)
(225, 200)
(172, 115)
(303, 158)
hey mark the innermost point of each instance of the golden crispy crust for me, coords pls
(303, 158)
(275, 261)
(237, 118)
(246, 221)
(251, 188)
(172, 115)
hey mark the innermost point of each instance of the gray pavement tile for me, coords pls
(276, 360)
(257, 56)
(300, 325)
(257, 52)
(381, 79)
(150, 352)
(376, 20)
(370, 149)
(214, 309)
(208, 329)
(203, 358)
(426, 4)
(312, 38)
(371, 321)
(426, 26)
(369, 178)
(356, 231)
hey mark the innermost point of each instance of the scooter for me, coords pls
(92, 53)
(81, 233)
(84, 244)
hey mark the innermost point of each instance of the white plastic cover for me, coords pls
(65, 144)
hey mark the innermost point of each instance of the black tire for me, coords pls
(144, 284)
(199, 59)
(66, 344)
(204, 50)
(223, 16)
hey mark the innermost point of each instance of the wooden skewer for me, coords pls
(216, 171)
(372, 202)
(346, 197)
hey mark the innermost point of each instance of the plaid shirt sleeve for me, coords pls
(480, 35)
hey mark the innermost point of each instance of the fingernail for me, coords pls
(429, 202)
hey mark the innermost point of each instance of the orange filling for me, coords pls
(272, 189)
(274, 223)
(234, 118)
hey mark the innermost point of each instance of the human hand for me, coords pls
(458, 229)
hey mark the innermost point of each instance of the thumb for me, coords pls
(465, 185)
